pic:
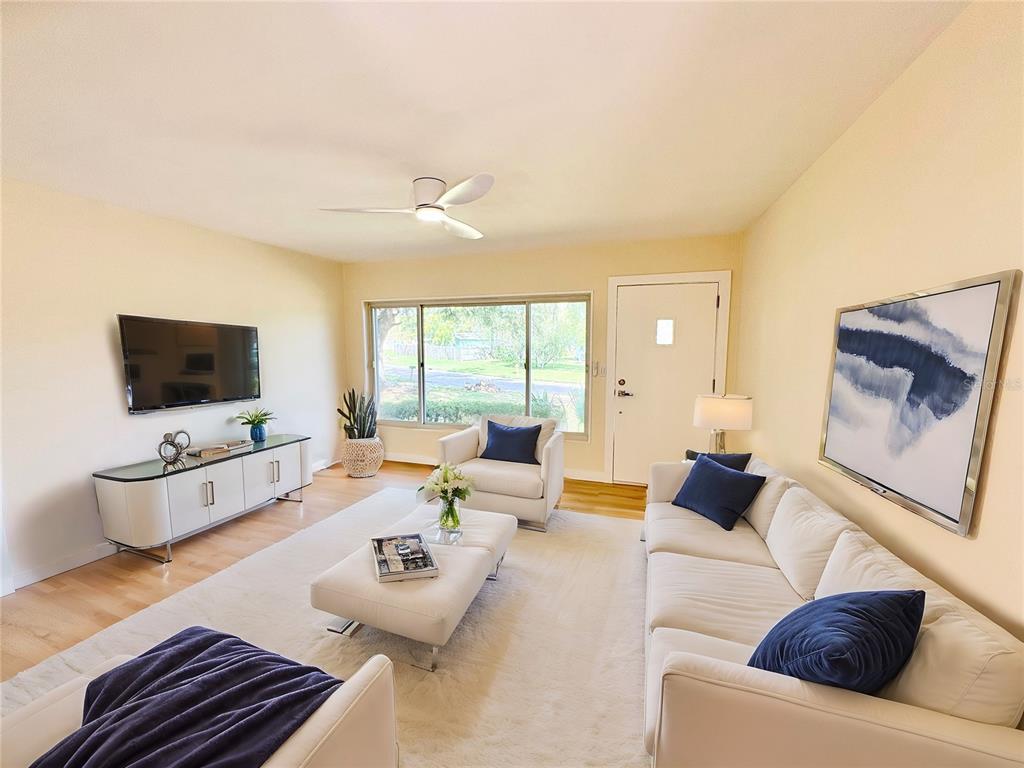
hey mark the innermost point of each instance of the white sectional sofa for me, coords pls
(713, 594)
(354, 728)
(528, 491)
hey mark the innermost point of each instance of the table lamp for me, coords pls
(722, 412)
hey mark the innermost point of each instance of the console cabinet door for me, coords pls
(227, 489)
(258, 473)
(289, 468)
(186, 495)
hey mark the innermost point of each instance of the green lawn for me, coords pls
(569, 372)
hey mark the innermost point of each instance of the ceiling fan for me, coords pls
(432, 198)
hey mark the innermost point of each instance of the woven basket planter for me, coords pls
(363, 457)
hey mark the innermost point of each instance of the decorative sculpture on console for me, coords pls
(173, 446)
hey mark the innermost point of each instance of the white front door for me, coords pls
(665, 341)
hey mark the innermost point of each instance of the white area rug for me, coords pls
(546, 668)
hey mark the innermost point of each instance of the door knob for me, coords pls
(623, 393)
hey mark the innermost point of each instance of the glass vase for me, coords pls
(448, 520)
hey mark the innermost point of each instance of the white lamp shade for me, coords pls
(728, 412)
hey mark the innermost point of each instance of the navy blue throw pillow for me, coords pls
(856, 640)
(518, 444)
(717, 492)
(737, 461)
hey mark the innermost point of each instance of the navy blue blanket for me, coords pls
(199, 698)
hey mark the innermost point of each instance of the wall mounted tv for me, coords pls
(179, 364)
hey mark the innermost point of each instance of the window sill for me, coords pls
(576, 437)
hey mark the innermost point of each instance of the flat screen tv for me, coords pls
(179, 364)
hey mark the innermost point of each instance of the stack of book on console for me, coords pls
(220, 449)
(402, 557)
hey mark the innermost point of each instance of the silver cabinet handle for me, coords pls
(272, 473)
(206, 494)
(277, 477)
(213, 496)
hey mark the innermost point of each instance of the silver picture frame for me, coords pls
(1007, 281)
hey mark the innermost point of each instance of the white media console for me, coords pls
(153, 504)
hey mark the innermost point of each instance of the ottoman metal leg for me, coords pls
(433, 660)
(346, 627)
(493, 576)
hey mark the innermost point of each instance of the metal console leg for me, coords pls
(288, 497)
(143, 553)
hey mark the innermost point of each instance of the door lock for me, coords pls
(623, 393)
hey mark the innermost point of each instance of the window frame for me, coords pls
(524, 300)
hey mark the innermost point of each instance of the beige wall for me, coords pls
(561, 270)
(924, 189)
(71, 264)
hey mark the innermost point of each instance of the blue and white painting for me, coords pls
(906, 388)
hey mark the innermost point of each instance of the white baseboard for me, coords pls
(411, 458)
(319, 465)
(74, 560)
(593, 475)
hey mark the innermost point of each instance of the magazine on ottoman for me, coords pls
(402, 557)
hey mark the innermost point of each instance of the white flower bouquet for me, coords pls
(450, 485)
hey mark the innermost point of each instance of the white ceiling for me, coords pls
(599, 121)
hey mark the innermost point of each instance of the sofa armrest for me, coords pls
(354, 728)
(460, 446)
(790, 722)
(28, 732)
(552, 468)
(665, 480)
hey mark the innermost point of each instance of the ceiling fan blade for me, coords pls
(461, 229)
(467, 191)
(368, 210)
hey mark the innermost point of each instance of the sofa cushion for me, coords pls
(801, 536)
(717, 492)
(691, 534)
(854, 640)
(666, 510)
(762, 509)
(664, 641)
(964, 664)
(737, 461)
(731, 601)
(515, 444)
(504, 477)
(547, 429)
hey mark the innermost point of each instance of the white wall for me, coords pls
(69, 266)
(6, 575)
(926, 188)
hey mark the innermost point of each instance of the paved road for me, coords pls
(461, 380)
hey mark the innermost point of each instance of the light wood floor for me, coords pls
(52, 615)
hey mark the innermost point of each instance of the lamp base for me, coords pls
(717, 441)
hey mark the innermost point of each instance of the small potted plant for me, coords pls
(363, 452)
(256, 420)
(451, 486)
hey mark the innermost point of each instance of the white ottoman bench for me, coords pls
(425, 610)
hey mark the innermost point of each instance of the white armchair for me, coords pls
(528, 491)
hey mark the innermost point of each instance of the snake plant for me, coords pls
(360, 414)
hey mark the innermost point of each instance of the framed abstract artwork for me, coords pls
(910, 394)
